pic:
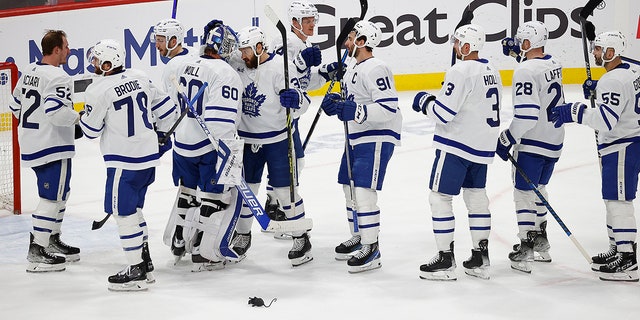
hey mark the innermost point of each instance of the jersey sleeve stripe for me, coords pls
(84, 124)
(386, 100)
(58, 104)
(221, 108)
(168, 113)
(518, 116)
(392, 110)
(527, 106)
(445, 108)
(220, 120)
(160, 104)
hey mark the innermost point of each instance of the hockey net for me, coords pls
(9, 150)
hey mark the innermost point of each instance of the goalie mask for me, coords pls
(610, 39)
(168, 28)
(369, 31)
(107, 50)
(534, 31)
(472, 34)
(223, 40)
(249, 37)
(302, 9)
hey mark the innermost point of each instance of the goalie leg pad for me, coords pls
(217, 225)
(442, 218)
(174, 233)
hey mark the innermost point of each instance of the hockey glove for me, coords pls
(421, 101)
(505, 142)
(291, 98)
(329, 104)
(309, 57)
(164, 143)
(589, 88)
(330, 72)
(349, 110)
(510, 48)
(568, 112)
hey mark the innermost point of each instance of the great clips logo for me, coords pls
(433, 25)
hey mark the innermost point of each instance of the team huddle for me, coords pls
(232, 108)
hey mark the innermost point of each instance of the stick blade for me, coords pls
(467, 16)
(273, 16)
(290, 225)
(364, 6)
(589, 30)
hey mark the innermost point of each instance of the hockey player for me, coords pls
(537, 144)
(466, 112)
(616, 119)
(263, 126)
(303, 17)
(42, 103)
(121, 108)
(374, 121)
(195, 159)
(168, 36)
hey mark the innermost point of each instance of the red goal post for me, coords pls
(9, 149)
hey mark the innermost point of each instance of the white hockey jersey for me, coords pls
(370, 83)
(171, 68)
(616, 115)
(42, 104)
(536, 90)
(121, 108)
(309, 79)
(467, 111)
(264, 120)
(219, 105)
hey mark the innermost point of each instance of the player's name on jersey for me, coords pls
(28, 80)
(490, 79)
(192, 71)
(553, 74)
(127, 87)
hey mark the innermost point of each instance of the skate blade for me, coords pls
(481, 273)
(439, 275)
(628, 276)
(282, 236)
(72, 257)
(207, 266)
(596, 266)
(542, 257)
(36, 267)
(375, 264)
(522, 266)
(302, 260)
(344, 256)
(139, 285)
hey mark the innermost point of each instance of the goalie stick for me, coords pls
(553, 212)
(467, 16)
(244, 190)
(344, 33)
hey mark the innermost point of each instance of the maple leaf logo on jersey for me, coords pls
(252, 101)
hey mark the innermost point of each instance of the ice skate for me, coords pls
(241, 242)
(540, 245)
(41, 260)
(201, 263)
(71, 254)
(177, 245)
(367, 258)
(478, 264)
(604, 258)
(623, 268)
(347, 249)
(441, 267)
(522, 257)
(300, 253)
(131, 278)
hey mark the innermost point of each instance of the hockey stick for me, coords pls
(292, 165)
(553, 212)
(244, 191)
(467, 16)
(174, 11)
(627, 59)
(182, 114)
(344, 33)
(588, 31)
